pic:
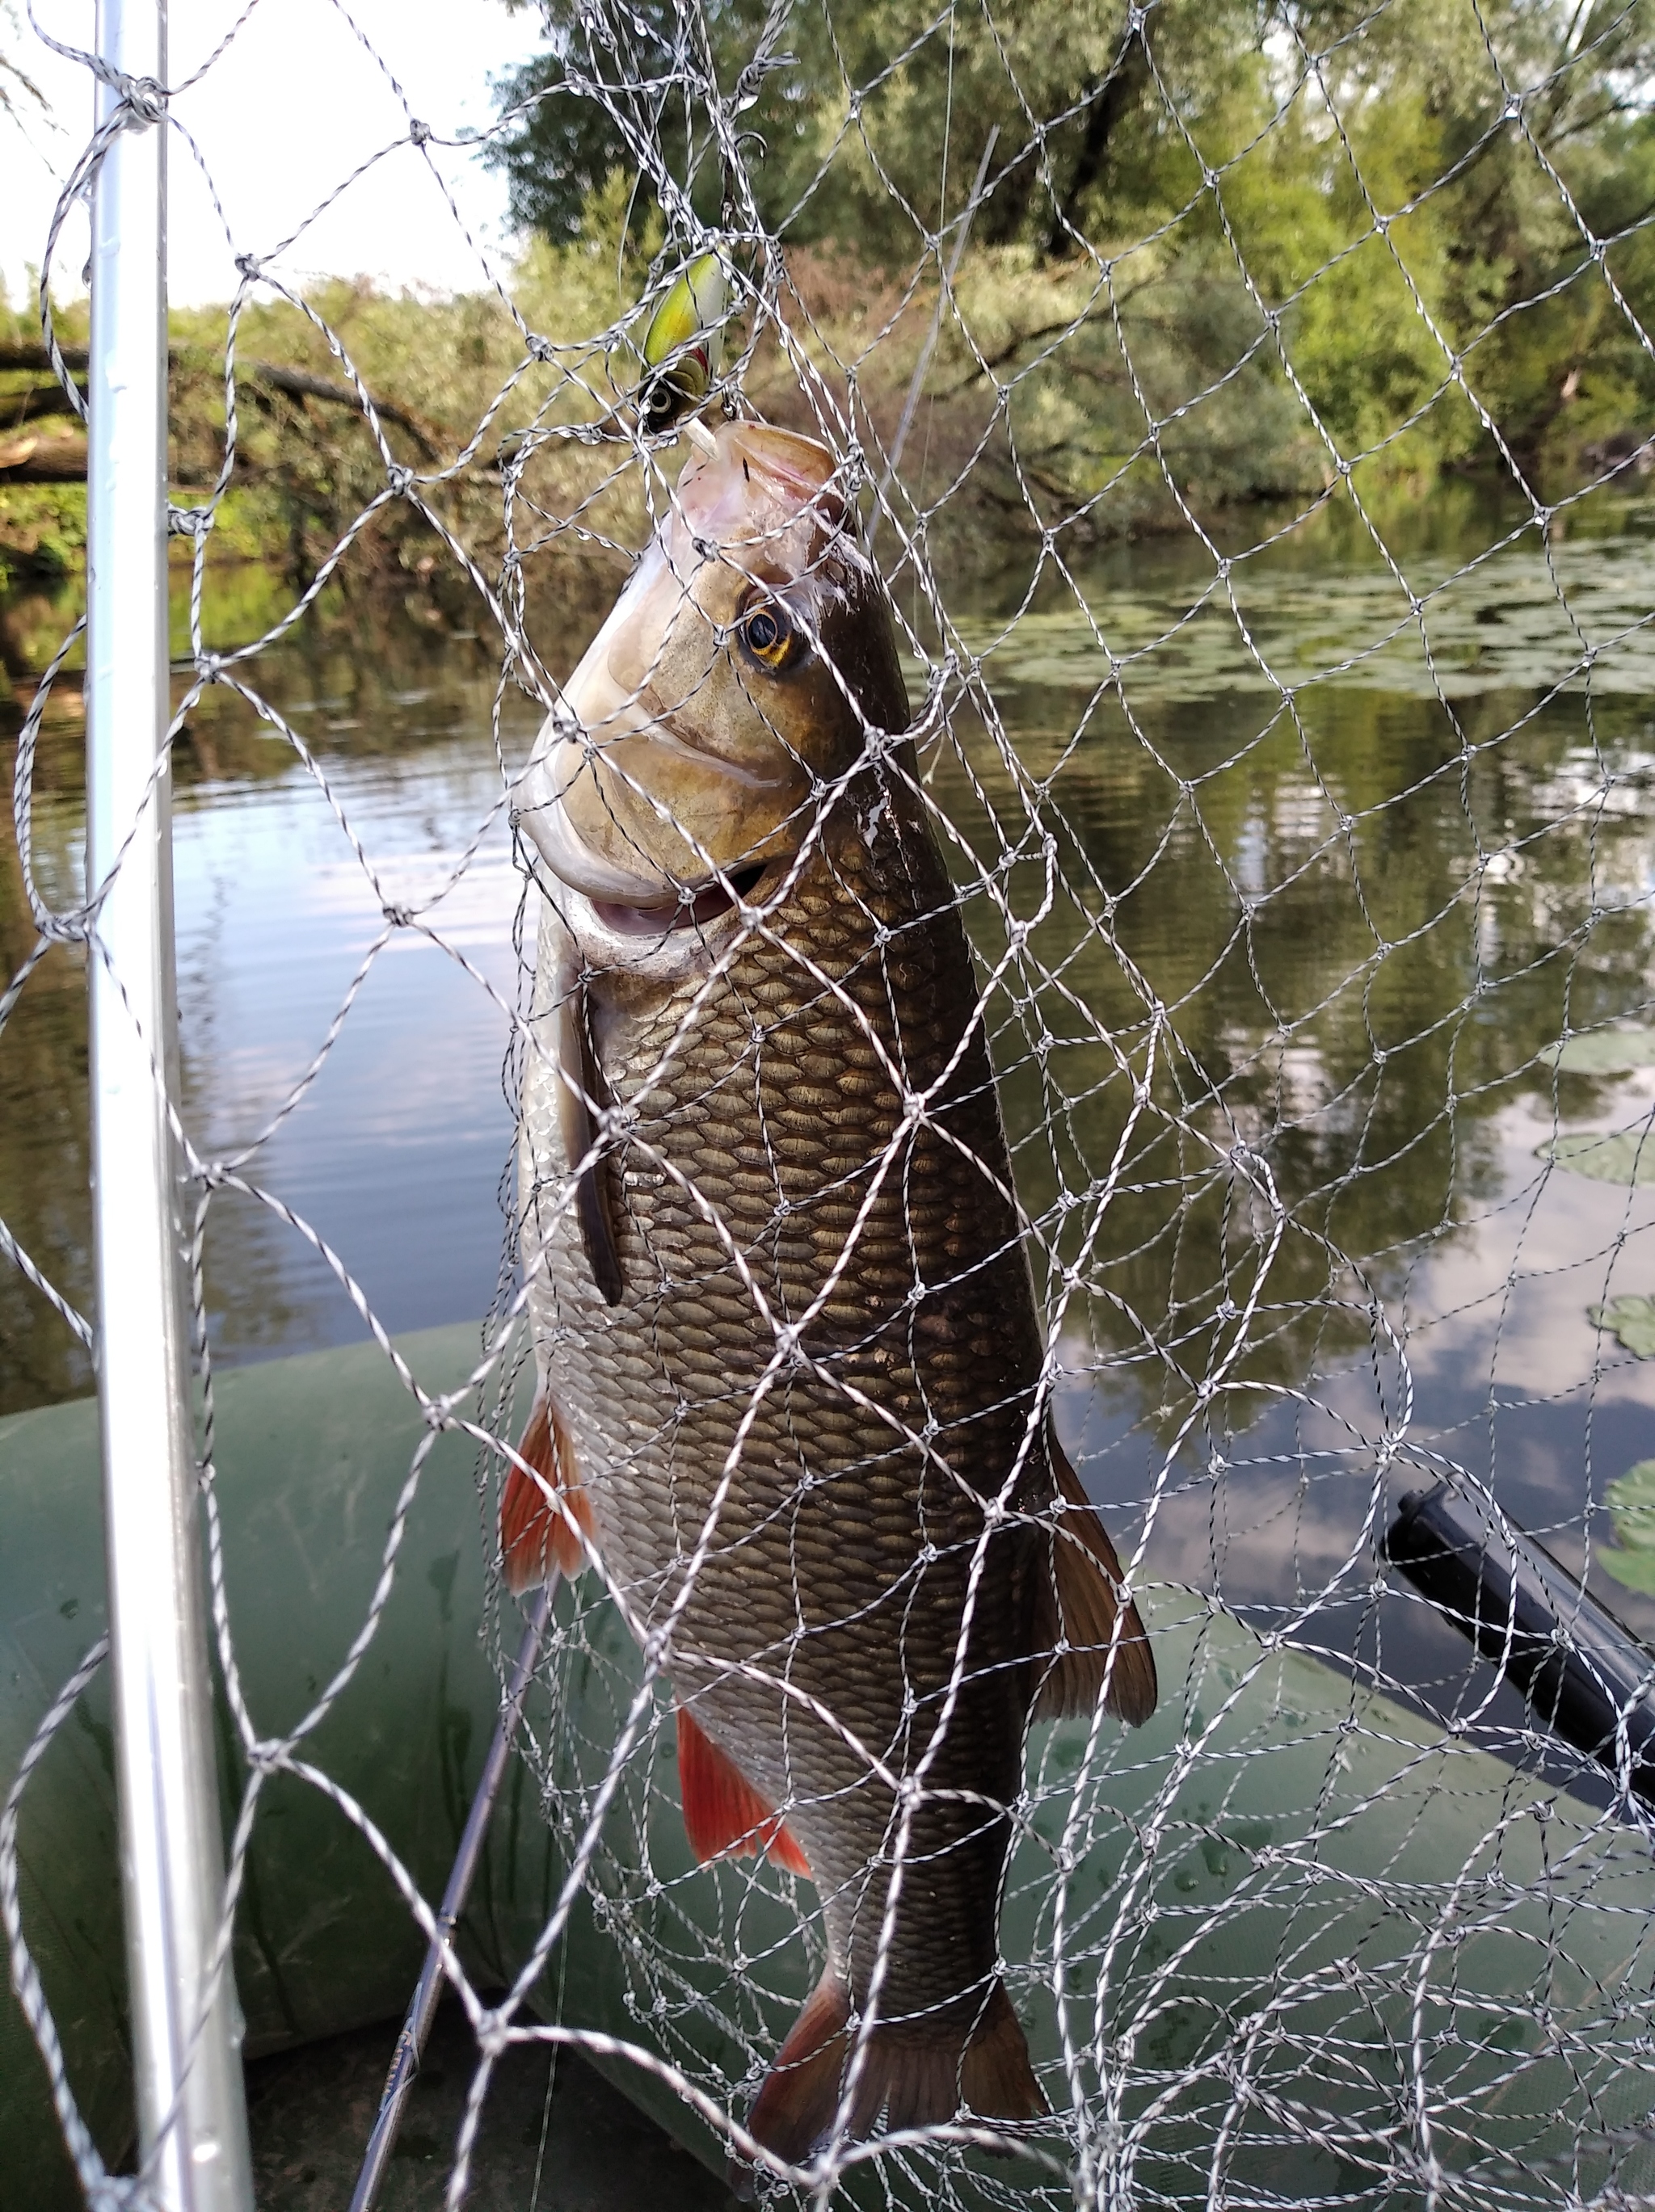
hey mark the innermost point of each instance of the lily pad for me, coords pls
(1631, 1501)
(1355, 629)
(1603, 1052)
(1632, 1319)
(1624, 1156)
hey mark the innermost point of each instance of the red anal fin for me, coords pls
(724, 1816)
(536, 1531)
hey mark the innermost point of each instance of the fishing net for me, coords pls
(1294, 798)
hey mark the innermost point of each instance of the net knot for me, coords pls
(249, 265)
(540, 349)
(747, 85)
(119, 2192)
(143, 99)
(419, 133)
(64, 928)
(400, 477)
(399, 917)
(188, 521)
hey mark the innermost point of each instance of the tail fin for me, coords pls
(915, 2074)
(1080, 1606)
(536, 1532)
(800, 2095)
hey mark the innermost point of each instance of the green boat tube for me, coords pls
(1296, 1943)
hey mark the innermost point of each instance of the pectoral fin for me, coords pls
(578, 1091)
(1080, 1602)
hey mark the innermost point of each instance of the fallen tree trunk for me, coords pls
(28, 353)
(28, 457)
(299, 384)
(32, 401)
(56, 456)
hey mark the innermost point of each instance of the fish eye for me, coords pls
(768, 634)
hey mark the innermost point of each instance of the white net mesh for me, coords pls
(1297, 819)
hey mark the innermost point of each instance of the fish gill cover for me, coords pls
(1054, 833)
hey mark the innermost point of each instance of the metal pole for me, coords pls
(192, 2108)
(423, 2006)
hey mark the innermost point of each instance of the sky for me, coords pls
(282, 119)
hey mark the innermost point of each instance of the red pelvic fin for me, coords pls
(1082, 1601)
(915, 2074)
(545, 1514)
(724, 1816)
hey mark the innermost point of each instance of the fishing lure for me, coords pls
(683, 346)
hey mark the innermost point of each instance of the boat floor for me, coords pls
(562, 2142)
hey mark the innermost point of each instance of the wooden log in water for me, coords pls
(43, 457)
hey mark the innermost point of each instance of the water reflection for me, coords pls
(1349, 912)
(393, 1154)
(1337, 858)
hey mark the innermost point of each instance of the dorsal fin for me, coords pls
(724, 1816)
(535, 1534)
(1080, 1598)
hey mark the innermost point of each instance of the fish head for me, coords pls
(743, 668)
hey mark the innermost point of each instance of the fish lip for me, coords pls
(572, 861)
(629, 905)
(792, 464)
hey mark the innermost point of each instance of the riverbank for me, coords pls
(1094, 405)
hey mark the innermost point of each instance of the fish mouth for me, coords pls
(696, 911)
(629, 905)
(717, 495)
(579, 868)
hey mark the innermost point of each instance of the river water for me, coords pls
(1343, 845)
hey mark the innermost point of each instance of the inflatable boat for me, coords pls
(1286, 1943)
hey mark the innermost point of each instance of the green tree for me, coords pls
(1197, 212)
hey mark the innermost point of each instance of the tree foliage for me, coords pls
(1370, 229)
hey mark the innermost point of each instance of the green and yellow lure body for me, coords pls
(683, 345)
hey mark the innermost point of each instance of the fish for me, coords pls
(791, 1389)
